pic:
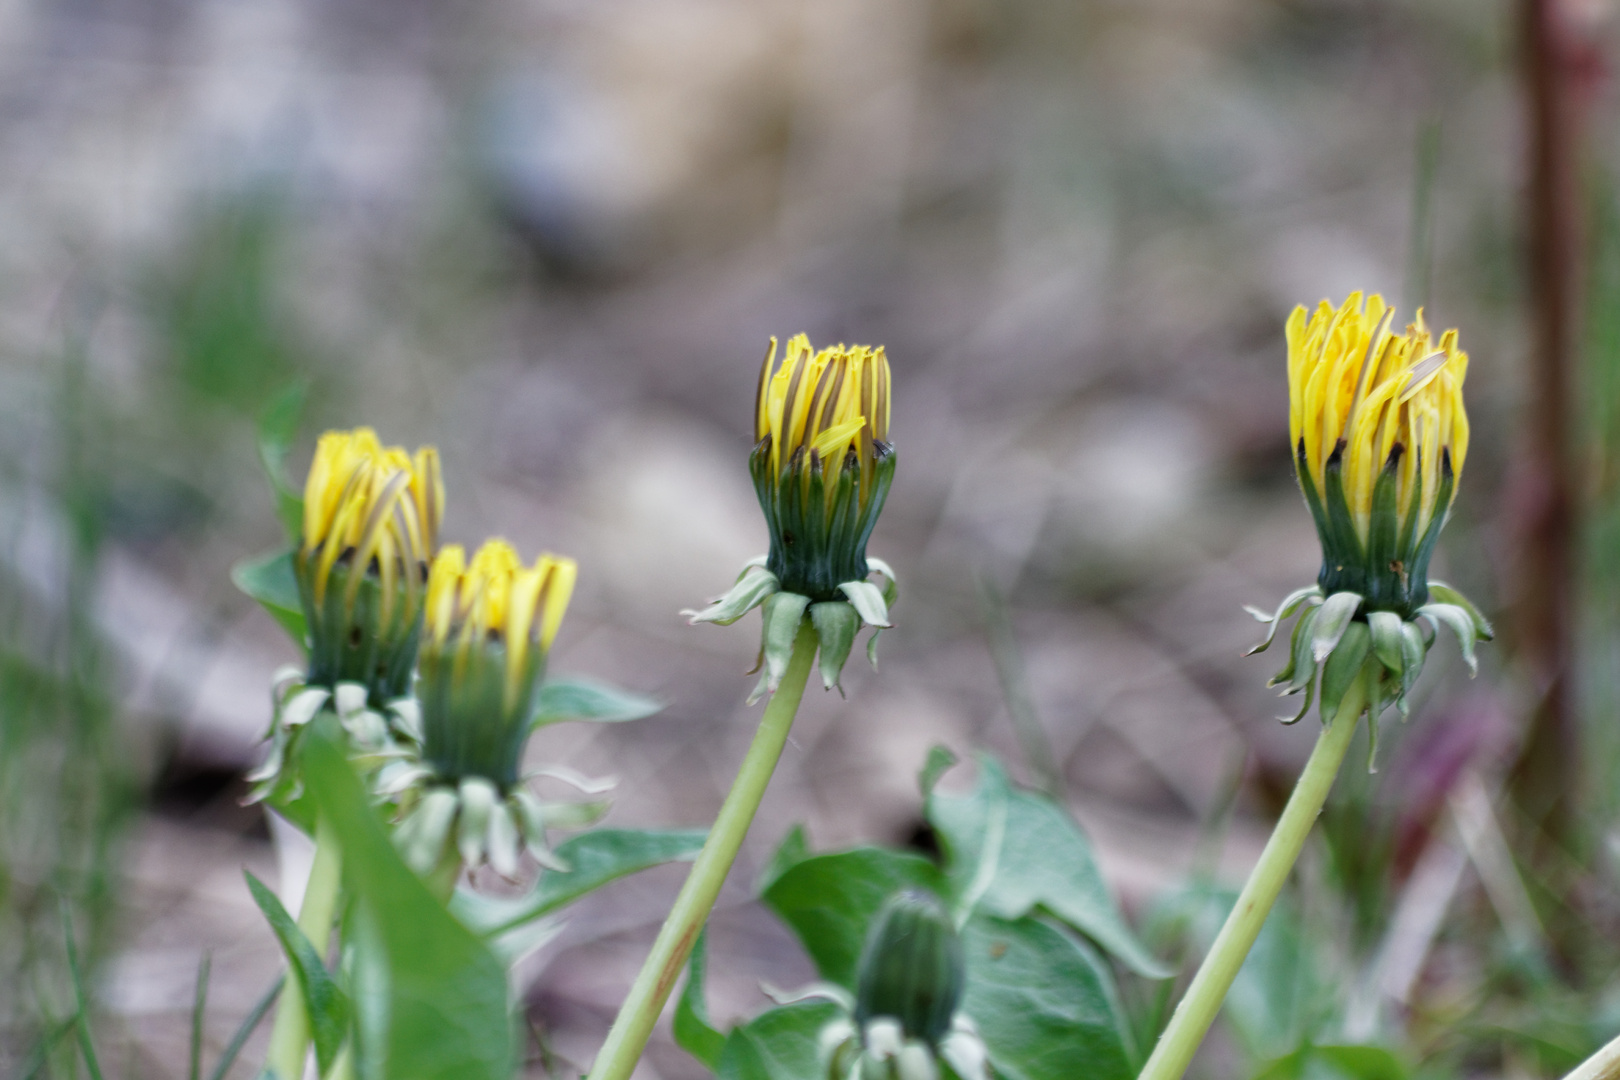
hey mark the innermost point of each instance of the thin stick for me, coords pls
(652, 987)
(1014, 680)
(1197, 1010)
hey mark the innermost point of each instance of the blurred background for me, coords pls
(553, 238)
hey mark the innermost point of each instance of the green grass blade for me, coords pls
(249, 1022)
(197, 1009)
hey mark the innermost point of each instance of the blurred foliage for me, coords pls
(67, 789)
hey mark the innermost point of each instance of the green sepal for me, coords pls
(1386, 639)
(1334, 619)
(911, 967)
(478, 799)
(783, 613)
(753, 586)
(1289, 605)
(871, 649)
(1376, 704)
(836, 623)
(868, 602)
(1445, 594)
(1343, 666)
(1345, 542)
(421, 837)
(324, 1001)
(1384, 585)
(503, 841)
(891, 584)
(1414, 650)
(1462, 625)
(1301, 664)
(1309, 686)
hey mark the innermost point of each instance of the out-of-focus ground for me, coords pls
(553, 238)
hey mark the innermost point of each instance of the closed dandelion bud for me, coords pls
(371, 521)
(909, 983)
(489, 626)
(1379, 436)
(822, 467)
(911, 968)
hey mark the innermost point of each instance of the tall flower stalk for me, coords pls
(1379, 437)
(371, 517)
(822, 466)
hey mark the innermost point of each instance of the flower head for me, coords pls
(1379, 436)
(371, 521)
(490, 624)
(822, 467)
(489, 627)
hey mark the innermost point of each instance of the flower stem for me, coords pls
(289, 1039)
(652, 987)
(1603, 1065)
(1197, 1009)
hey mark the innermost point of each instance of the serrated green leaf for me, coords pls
(940, 761)
(693, 1032)
(575, 697)
(433, 1002)
(782, 1044)
(593, 859)
(1335, 1063)
(270, 580)
(1037, 857)
(1044, 1003)
(324, 1001)
(278, 427)
(829, 901)
(793, 850)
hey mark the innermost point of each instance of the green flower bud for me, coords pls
(1380, 435)
(911, 968)
(822, 468)
(489, 626)
(371, 519)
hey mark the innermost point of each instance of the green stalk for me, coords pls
(1197, 1009)
(1603, 1065)
(652, 987)
(289, 1039)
